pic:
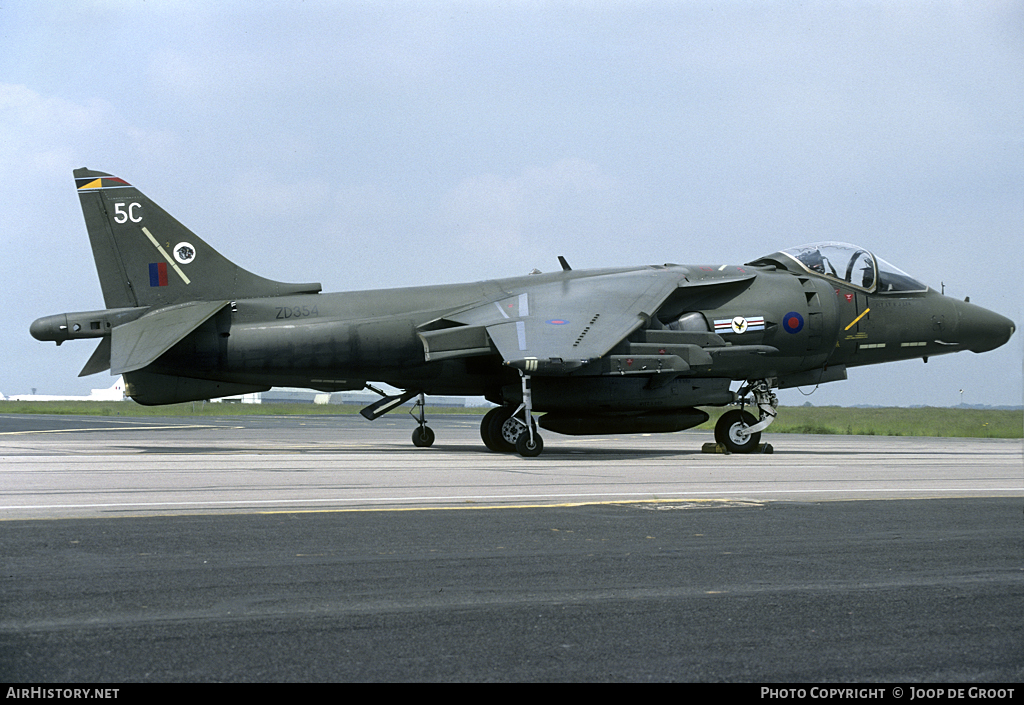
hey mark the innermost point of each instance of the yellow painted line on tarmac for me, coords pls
(209, 508)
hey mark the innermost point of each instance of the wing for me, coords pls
(558, 326)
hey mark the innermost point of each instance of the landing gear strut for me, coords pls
(505, 431)
(737, 430)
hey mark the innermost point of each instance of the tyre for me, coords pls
(527, 448)
(423, 437)
(487, 433)
(728, 432)
(491, 430)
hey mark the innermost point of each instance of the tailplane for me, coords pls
(144, 257)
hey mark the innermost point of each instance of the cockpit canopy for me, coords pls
(845, 262)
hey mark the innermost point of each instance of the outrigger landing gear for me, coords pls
(503, 431)
(423, 436)
(737, 430)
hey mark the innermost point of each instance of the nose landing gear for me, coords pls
(737, 430)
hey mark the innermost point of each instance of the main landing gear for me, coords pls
(737, 430)
(503, 430)
(506, 431)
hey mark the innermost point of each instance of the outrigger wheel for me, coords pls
(730, 432)
(423, 437)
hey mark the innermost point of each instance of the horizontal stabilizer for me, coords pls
(139, 343)
(99, 361)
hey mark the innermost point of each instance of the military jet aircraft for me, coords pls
(623, 350)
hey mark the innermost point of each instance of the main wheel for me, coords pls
(491, 430)
(527, 448)
(512, 429)
(729, 432)
(423, 437)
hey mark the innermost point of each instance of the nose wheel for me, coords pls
(731, 432)
(737, 430)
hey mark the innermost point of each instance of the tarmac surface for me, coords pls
(330, 549)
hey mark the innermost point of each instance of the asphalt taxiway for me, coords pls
(102, 466)
(328, 548)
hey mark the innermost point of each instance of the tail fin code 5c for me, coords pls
(145, 257)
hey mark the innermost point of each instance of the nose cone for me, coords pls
(981, 330)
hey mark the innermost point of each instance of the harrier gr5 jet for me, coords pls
(623, 350)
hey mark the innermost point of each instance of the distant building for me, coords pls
(112, 393)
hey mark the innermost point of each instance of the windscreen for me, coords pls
(853, 265)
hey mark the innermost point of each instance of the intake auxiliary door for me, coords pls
(822, 319)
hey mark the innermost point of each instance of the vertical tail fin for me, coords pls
(144, 257)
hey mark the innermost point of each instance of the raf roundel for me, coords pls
(793, 322)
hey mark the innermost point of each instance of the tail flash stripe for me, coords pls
(107, 182)
(158, 274)
(166, 256)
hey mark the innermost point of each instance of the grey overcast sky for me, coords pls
(372, 144)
